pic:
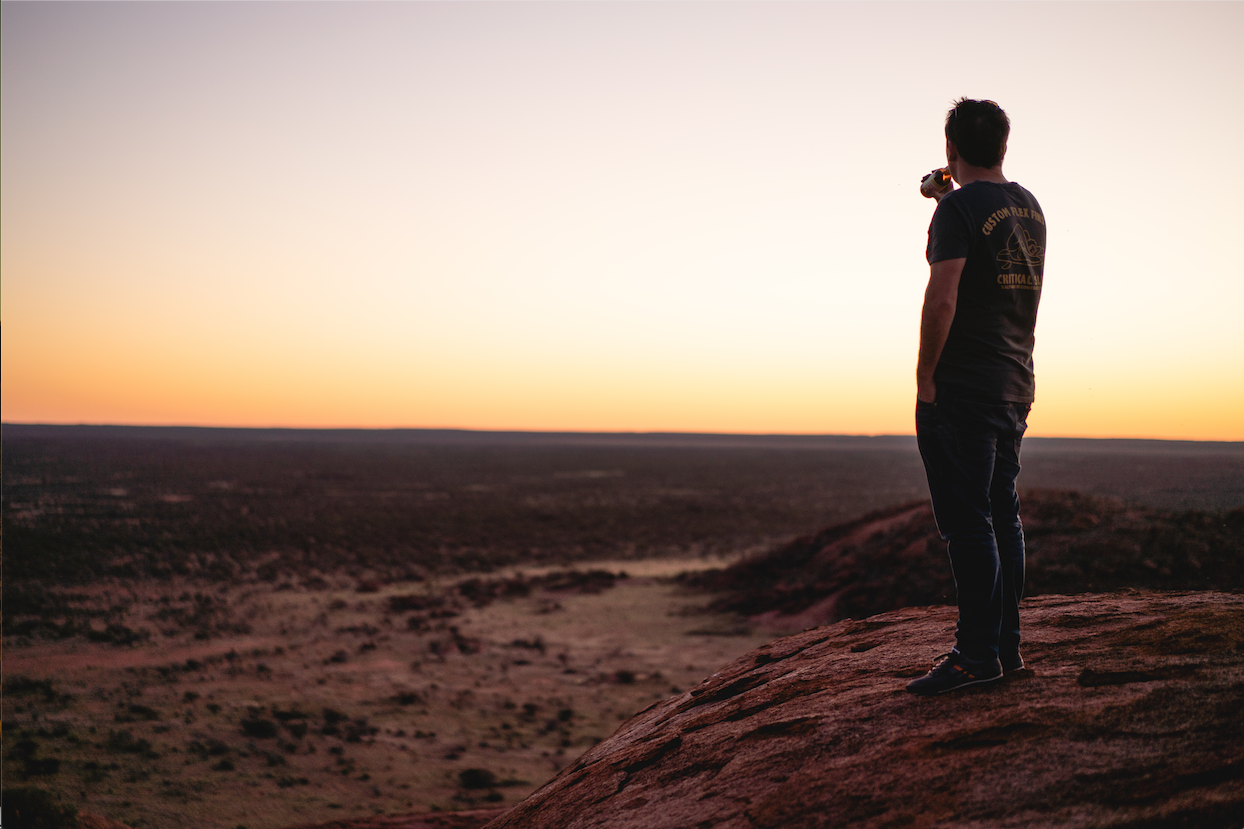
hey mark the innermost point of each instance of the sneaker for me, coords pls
(955, 672)
(1011, 663)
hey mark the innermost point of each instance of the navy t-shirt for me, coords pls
(1000, 230)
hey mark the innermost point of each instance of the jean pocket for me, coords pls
(926, 413)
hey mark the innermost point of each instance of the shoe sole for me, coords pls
(985, 681)
(958, 687)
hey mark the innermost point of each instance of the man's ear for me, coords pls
(952, 152)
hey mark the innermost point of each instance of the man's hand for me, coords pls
(926, 389)
(929, 187)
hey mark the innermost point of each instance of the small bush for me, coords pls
(24, 749)
(42, 766)
(259, 728)
(35, 808)
(476, 779)
(358, 729)
(286, 716)
(137, 713)
(124, 742)
(212, 748)
(118, 635)
(22, 686)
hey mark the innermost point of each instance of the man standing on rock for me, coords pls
(974, 387)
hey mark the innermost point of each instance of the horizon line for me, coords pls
(565, 432)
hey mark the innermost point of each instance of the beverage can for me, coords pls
(934, 182)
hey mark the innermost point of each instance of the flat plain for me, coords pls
(264, 628)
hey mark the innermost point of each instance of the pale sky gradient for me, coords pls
(600, 216)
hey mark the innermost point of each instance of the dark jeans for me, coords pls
(971, 456)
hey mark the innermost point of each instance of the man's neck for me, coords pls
(968, 173)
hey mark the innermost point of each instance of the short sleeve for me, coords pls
(950, 231)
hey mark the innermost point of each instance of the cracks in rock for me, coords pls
(711, 768)
(1147, 784)
(770, 699)
(723, 692)
(869, 625)
(797, 727)
(992, 736)
(785, 649)
(642, 759)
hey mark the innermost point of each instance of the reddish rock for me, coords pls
(1130, 717)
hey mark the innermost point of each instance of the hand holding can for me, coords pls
(936, 183)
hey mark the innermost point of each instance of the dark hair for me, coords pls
(978, 129)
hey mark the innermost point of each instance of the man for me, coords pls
(974, 387)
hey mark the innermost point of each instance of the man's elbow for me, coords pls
(939, 308)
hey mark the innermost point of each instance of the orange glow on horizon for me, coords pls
(594, 217)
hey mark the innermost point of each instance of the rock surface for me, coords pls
(1132, 715)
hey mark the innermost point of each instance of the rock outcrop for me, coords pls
(1131, 715)
(894, 558)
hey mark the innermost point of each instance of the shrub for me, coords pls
(476, 779)
(21, 686)
(135, 713)
(42, 766)
(118, 635)
(124, 742)
(259, 728)
(35, 808)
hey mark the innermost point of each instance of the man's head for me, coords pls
(978, 130)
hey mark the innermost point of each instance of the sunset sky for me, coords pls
(653, 216)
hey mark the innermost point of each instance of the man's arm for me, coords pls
(939, 312)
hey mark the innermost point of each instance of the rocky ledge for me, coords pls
(1131, 715)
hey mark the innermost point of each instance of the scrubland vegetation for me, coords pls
(263, 630)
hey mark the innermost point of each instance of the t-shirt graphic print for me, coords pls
(999, 230)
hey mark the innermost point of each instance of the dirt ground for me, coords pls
(335, 703)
